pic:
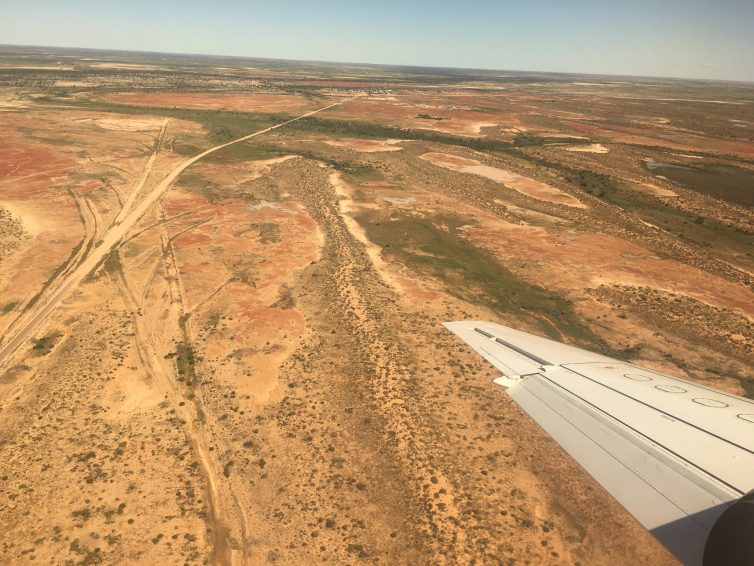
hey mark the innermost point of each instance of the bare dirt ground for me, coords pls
(233, 353)
(591, 148)
(421, 112)
(529, 187)
(367, 146)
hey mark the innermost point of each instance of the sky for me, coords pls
(670, 38)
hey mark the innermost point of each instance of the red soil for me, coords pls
(580, 260)
(27, 169)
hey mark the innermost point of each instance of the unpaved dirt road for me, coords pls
(112, 239)
(143, 176)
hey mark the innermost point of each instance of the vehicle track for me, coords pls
(89, 222)
(92, 226)
(227, 518)
(142, 176)
(162, 378)
(125, 222)
(37, 174)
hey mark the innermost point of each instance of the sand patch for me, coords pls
(654, 189)
(524, 185)
(129, 124)
(13, 103)
(532, 215)
(74, 84)
(134, 66)
(689, 156)
(131, 393)
(591, 148)
(366, 146)
(560, 135)
(458, 128)
(31, 217)
(400, 201)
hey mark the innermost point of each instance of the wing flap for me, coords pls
(517, 353)
(510, 362)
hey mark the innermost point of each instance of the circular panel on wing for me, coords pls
(711, 403)
(670, 388)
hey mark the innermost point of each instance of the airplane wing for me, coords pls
(676, 455)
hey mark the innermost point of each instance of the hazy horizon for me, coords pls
(678, 39)
(137, 52)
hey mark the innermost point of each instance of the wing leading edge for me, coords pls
(675, 454)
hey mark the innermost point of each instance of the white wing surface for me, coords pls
(675, 454)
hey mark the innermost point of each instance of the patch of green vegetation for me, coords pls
(435, 247)
(222, 125)
(371, 130)
(352, 170)
(182, 147)
(593, 183)
(250, 151)
(43, 346)
(227, 468)
(67, 142)
(700, 230)
(51, 278)
(185, 357)
(82, 513)
(245, 276)
(359, 171)
(285, 299)
(33, 135)
(185, 360)
(429, 117)
(212, 191)
(13, 374)
(527, 139)
(112, 263)
(9, 306)
(721, 181)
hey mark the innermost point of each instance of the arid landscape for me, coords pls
(223, 282)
